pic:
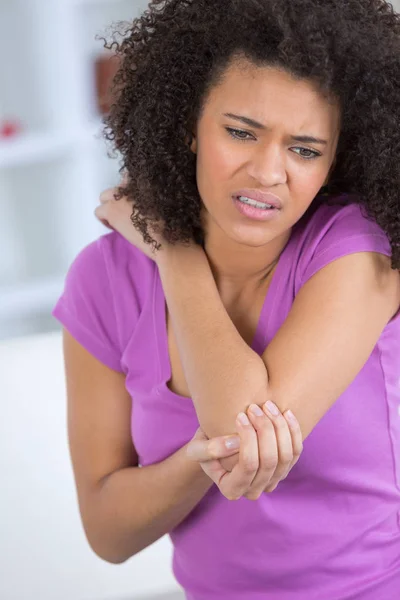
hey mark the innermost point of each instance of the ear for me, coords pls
(193, 144)
(191, 137)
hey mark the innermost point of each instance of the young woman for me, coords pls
(253, 269)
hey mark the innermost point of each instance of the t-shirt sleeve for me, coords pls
(336, 233)
(86, 308)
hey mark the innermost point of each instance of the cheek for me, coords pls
(306, 181)
(215, 165)
(218, 156)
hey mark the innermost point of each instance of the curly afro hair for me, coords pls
(177, 50)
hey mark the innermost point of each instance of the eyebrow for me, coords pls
(307, 139)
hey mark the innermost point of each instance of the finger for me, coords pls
(236, 483)
(297, 437)
(297, 445)
(267, 449)
(107, 195)
(214, 470)
(201, 449)
(284, 442)
(100, 215)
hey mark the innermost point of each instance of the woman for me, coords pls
(260, 141)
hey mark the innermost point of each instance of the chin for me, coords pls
(254, 237)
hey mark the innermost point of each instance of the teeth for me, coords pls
(252, 202)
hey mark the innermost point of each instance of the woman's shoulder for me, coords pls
(333, 228)
(118, 251)
(340, 220)
(111, 257)
(344, 210)
(105, 291)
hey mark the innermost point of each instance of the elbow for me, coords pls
(107, 552)
(104, 543)
(102, 533)
(254, 389)
(220, 418)
(112, 559)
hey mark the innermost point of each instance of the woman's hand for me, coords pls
(270, 445)
(116, 215)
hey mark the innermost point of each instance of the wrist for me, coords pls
(173, 253)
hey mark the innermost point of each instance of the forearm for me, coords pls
(223, 373)
(136, 506)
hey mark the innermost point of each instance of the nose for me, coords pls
(267, 165)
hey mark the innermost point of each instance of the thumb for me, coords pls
(201, 449)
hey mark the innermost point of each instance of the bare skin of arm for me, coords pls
(124, 507)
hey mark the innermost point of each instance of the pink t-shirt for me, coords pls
(331, 530)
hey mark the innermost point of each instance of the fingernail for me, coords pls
(242, 418)
(232, 443)
(256, 410)
(273, 409)
(291, 417)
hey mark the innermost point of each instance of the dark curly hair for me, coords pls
(172, 55)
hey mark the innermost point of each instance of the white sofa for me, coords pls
(43, 551)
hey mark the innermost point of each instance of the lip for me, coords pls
(259, 196)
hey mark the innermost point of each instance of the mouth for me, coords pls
(255, 210)
(258, 199)
(255, 203)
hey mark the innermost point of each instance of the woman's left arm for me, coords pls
(331, 330)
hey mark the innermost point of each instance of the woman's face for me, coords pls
(245, 140)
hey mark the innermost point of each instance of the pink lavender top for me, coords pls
(331, 530)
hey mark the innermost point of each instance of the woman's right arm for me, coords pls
(124, 507)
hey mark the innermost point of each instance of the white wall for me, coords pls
(44, 554)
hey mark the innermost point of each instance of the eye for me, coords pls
(239, 134)
(244, 136)
(314, 153)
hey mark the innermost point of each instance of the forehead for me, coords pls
(273, 97)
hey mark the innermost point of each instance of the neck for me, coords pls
(236, 266)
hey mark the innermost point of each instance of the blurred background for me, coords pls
(53, 158)
(54, 163)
